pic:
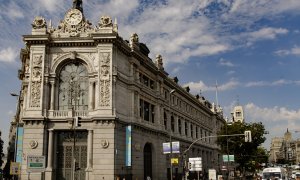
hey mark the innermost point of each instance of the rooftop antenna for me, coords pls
(237, 100)
(217, 94)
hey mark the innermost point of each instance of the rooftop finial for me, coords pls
(77, 4)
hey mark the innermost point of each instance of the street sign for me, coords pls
(35, 163)
(174, 161)
(195, 164)
(227, 158)
(15, 168)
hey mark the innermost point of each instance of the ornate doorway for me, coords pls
(147, 161)
(65, 155)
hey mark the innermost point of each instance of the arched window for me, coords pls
(73, 87)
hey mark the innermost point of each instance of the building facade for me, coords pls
(97, 107)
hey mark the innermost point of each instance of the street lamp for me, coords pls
(16, 122)
(170, 134)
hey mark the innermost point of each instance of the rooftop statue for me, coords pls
(77, 4)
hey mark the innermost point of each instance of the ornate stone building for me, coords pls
(125, 103)
(285, 150)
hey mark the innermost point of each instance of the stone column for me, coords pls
(91, 90)
(89, 167)
(50, 156)
(52, 95)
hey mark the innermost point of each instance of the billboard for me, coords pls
(19, 150)
(128, 146)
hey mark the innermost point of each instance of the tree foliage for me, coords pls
(1, 152)
(247, 154)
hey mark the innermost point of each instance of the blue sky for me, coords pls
(250, 48)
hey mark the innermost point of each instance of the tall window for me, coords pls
(192, 130)
(165, 120)
(179, 126)
(73, 87)
(172, 124)
(185, 128)
(147, 111)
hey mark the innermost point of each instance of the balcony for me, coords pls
(58, 114)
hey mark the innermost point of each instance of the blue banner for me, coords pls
(128, 146)
(19, 146)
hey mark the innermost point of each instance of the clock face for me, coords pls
(73, 17)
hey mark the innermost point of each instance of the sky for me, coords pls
(249, 48)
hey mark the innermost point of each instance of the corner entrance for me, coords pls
(65, 146)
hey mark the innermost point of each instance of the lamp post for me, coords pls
(17, 119)
(170, 134)
(227, 149)
(74, 94)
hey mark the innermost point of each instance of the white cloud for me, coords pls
(293, 51)
(273, 114)
(279, 82)
(224, 62)
(256, 83)
(266, 33)
(197, 86)
(230, 72)
(8, 55)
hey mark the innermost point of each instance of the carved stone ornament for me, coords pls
(33, 144)
(105, 79)
(137, 147)
(36, 78)
(73, 24)
(104, 143)
(105, 21)
(39, 22)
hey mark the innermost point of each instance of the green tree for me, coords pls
(247, 154)
(1, 152)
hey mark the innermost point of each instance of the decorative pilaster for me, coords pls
(52, 95)
(50, 156)
(89, 167)
(91, 92)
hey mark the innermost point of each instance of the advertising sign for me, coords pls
(128, 146)
(212, 174)
(14, 168)
(35, 163)
(20, 132)
(175, 147)
(166, 148)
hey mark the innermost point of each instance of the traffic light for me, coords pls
(77, 122)
(189, 165)
(248, 137)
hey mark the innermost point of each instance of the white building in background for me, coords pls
(126, 103)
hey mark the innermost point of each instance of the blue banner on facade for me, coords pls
(19, 146)
(128, 146)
